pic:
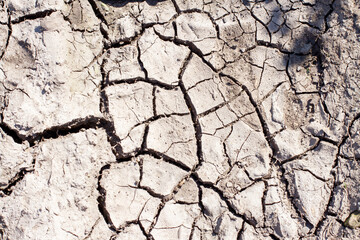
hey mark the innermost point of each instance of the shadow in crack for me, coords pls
(117, 3)
(295, 29)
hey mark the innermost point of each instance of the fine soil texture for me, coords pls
(179, 119)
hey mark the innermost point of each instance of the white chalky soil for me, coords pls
(174, 119)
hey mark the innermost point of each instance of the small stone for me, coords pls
(353, 221)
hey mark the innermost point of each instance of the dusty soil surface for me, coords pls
(179, 119)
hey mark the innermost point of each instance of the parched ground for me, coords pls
(179, 119)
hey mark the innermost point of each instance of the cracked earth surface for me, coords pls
(199, 119)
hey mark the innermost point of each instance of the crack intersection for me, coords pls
(219, 117)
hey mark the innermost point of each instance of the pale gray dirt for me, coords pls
(176, 119)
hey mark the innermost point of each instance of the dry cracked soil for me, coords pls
(179, 119)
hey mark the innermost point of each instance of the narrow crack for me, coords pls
(33, 16)
(102, 200)
(333, 173)
(193, 226)
(108, 125)
(217, 107)
(192, 47)
(222, 197)
(274, 237)
(291, 199)
(263, 199)
(91, 230)
(299, 156)
(16, 136)
(327, 27)
(154, 101)
(8, 36)
(194, 115)
(15, 180)
(176, 6)
(239, 235)
(101, 17)
(268, 136)
(73, 126)
(106, 122)
(153, 82)
(166, 158)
